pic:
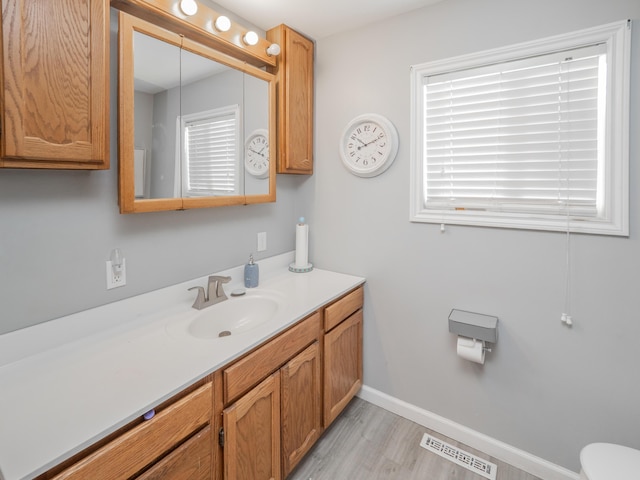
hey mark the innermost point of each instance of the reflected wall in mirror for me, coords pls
(156, 83)
(187, 122)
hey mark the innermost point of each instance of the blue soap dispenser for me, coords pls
(251, 273)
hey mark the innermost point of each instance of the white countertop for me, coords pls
(69, 382)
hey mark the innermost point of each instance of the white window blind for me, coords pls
(211, 152)
(534, 135)
(523, 135)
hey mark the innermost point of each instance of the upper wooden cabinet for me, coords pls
(55, 76)
(294, 74)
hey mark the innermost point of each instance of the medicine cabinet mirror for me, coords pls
(190, 122)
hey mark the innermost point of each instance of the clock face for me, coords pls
(256, 158)
(369, 145)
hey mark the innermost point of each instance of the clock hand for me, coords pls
(374, 140)
(256, 152)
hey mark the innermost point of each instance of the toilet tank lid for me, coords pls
(602, 461)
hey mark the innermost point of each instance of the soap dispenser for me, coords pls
(251, 273)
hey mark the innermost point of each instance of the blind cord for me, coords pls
(566, 314)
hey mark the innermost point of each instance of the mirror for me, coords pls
(195, 125)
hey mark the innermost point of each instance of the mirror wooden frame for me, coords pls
(126, 183)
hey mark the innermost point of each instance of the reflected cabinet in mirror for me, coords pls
(194, 125)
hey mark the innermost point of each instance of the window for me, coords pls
(531, 136)
(210, 141)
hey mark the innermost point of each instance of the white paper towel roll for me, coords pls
(471, 349)
(302, 245)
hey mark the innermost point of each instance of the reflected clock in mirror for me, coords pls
(256, 154)
(184, 113)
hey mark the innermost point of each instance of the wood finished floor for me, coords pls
(369, 443)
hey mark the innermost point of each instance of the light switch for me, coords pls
(262, 241)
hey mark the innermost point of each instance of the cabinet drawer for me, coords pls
(244, 374)
(191, 460)
(341, 309)
(144, 444)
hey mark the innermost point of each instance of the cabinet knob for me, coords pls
(149, 415)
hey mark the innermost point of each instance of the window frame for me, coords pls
(614, 219)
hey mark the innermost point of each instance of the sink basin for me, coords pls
(234, 316)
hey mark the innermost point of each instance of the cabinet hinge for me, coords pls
(221, 437)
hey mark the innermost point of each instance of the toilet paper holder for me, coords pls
(474, 325)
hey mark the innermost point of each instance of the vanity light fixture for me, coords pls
(189, 7)
(222, 23)
(250, 38)
(273, 50)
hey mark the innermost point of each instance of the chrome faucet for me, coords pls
(214, 294)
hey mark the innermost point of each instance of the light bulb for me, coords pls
(189, 7)
(250, 38)
(222, 23)
(273, 50)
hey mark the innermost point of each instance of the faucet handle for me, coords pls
(220, 279)
(216, 281)
(201, 298)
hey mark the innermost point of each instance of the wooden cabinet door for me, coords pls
(342, 366)
(252, 434)
(55, 74)
(295, 101)
(301, 398)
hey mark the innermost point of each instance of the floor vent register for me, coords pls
(462, 458)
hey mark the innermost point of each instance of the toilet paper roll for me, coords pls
(471, 349)
(302, 245)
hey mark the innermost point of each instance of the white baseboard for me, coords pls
(495, 448)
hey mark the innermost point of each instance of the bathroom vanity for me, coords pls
(134, 390)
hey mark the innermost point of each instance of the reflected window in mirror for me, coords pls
(211, 152)
(211, 98)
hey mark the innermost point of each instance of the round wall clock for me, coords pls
(256, 154)
(369, 145)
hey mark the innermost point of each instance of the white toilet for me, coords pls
(606, 461)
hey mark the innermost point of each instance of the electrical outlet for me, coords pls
(115, 280)
(262, 241)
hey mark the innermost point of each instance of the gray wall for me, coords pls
(546, 389)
